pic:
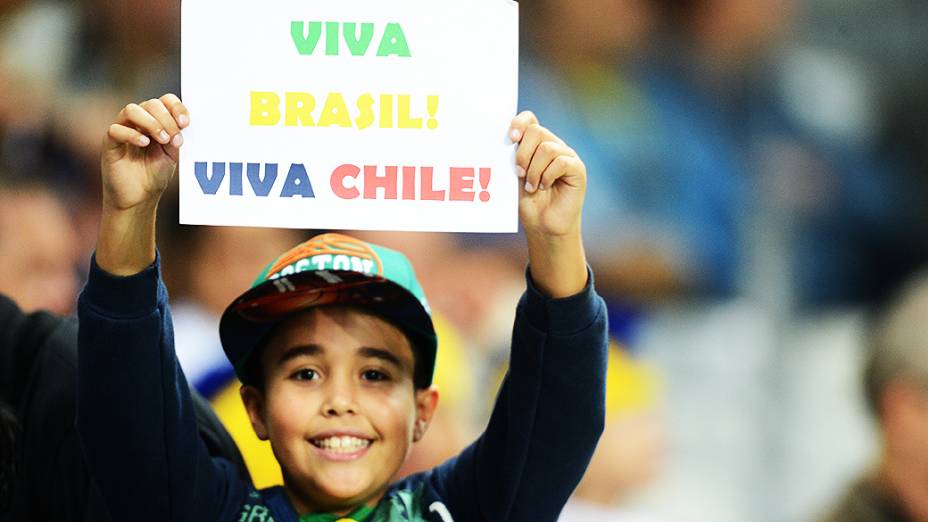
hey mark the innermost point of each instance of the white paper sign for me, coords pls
(350, 114)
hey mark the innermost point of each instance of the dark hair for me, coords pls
(253, 371)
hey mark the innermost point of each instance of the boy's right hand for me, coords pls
(140, 153)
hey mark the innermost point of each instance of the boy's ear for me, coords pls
(426, 403)
(254, 405)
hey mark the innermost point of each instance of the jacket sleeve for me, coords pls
(135, 417)
(547, 419)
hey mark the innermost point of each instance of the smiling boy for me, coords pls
(335, 348)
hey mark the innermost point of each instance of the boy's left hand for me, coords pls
(553, 183)
(553, 180)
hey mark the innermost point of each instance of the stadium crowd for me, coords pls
(757, 171)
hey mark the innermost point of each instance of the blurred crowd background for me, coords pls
(758, 176)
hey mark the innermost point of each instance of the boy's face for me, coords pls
(338, 406)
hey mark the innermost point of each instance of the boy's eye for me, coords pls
(374, 375)
(305, 374)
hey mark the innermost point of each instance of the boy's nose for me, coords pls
(339, 406)
(339, 400)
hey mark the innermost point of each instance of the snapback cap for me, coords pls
(330, 269)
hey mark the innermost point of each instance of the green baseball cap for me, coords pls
(330, 269)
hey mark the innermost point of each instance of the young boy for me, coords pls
(335, 348)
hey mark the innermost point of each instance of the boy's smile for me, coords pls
(341, 446)
(338, 405)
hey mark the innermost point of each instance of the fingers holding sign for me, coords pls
(140, 155)
(141, 151)
(553, 178)
(170, 128)
(550, 203)
(158, 119)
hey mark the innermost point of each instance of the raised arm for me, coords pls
(136, 419)
(140, 153)
(549, 412)
(549, 207)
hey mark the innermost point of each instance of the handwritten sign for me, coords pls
(350, 114)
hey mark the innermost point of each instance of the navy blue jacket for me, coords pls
(137, 426)
(38, 378)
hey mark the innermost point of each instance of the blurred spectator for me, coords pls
(93, 53)
(713, 176)
(37, 44)
(703, 117)
(38, 378)
(631, 450)
(36, 54)
(130, 45)
(783, 199)
(896, 383)
(126, 50)
(729, 34)
(889, 37)
(38, 254)
(578, 76)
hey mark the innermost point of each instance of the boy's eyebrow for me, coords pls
(382, 354)
(307, 350)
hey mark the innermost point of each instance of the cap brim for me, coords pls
(248, 321)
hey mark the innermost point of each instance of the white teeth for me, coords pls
(344, 444)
